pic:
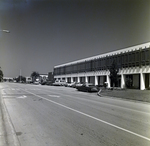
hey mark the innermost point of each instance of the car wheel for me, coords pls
(87, 90)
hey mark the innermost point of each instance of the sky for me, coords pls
(46, 33)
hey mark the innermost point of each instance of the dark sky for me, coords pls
(45, 33)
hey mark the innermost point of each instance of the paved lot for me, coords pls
(61, 116)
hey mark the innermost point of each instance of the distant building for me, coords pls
(133, 63)
(51, 76)
(28, 79)
(43, 77)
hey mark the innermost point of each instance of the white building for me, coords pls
(28, 79)
(43, 77)
(133, 64)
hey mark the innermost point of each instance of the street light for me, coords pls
(5, 30)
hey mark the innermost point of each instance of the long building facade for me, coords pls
(133, 63)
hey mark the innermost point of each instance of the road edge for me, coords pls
(8, 137)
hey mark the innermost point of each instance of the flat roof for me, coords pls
(137, 47)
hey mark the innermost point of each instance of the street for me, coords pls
(63, 116)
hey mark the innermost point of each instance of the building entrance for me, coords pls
(101, 80)
(69, 80)
(147, 81)
(82, 79)
(132, 81)
(75, 79)
(91, 79)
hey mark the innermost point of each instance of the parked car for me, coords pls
(49, 83)
(87, 87)
(77, 85)
(71, 84)
(60, 83)
(43, 83)
(36, 83)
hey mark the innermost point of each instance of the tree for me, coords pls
(34, 75)
(114, 73)
(51, 76)
(1, 75)
(20, 79)
(129, 82)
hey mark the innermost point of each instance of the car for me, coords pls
(71, 84)
(49, 83)
(78, 84)
(36, 83)
(43, 83)
(60, 83)
(87, 87)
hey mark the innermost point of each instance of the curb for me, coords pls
(8, 135)
(123, 98)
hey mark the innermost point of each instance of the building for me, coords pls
(51, 76)
(133, 63)
(28, 79)
(43, 77)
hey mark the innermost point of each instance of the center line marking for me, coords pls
(22, 96)
(54, 96)
(128, 131)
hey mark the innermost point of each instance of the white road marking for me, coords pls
(12, 89)
(54, 96)
(9, 96)
(115, 126)
(3, 91)
(22, 96)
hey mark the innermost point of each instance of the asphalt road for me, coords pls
(63, 116)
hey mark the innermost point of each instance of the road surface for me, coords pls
(62, 116)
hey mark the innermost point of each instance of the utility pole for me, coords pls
(20, 75)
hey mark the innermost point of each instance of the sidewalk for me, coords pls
(132, 94)
(3, 140)
(7, 134)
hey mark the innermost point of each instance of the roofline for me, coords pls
(137, 47)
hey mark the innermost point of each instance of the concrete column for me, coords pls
(122, 81)
(96, 80)
(71, 79)
(78, 79)
(108, 81)
(86, 79)
(142, 81)
(66, 79)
